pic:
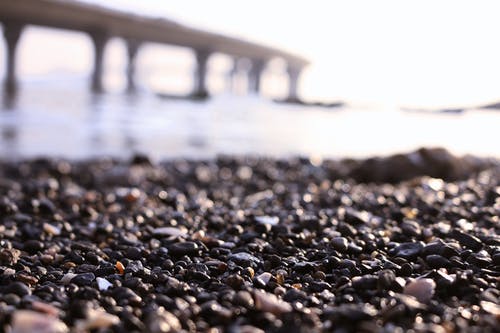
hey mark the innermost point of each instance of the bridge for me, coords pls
(101, 24)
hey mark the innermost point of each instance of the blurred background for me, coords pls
(395, 66)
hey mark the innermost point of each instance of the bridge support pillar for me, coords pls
(254, 76)
(200, 76)
(293, 77)
(231, 76)
(132, 50)
(12, 33)
(99, 40)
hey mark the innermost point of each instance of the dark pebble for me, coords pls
(184, 248)
(18, 288)
(467, 240)
(437, 261)
(134, 253)
(408, 250)
(340, 244)
(244, 259)
(84, 279)
(33, 246)
(479, 260)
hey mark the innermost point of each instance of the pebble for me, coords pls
(270, 303)
(97, 319)
(467, 240)
(169, 231)
(411, 228)
(51, 229)
(270, 220)
(340, 244)
(264, 278)
(103, 284)
(184, 248)
(290, 244)
(162, 321)
(408, 250)
(66, 279)
(32, 246)
(25, 321)
(17, 288)
(421, 289)
(437, 261)
(84, 279)
(244, 259)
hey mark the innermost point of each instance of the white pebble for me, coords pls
(271, 220)
(169, 231)
(103, 284)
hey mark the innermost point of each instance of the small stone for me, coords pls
(264, 278)
(270, 303)
(386, 278)
(126, 296)
(496, 259)
(133, 253)
(45, 308)
(246, 329)
(244, 259)
(271, 220)
(169, 231)
(351, 312)
(51, 229)
(215, 313)
(364, 282)
(9, 256)
(32, 246)
(11, 299)
(421, 289)
(120, 268)
(97, 319)
(25, 321)
(467, 240)
(408, 250)
(84, 279)
(17, 288)
(481, 259)
(162, 321)
(103, 284)
(184, 248)
(340, 244)
(27, 279)
(411, 228)
(243, 298)
(491, 307)
(437, 261)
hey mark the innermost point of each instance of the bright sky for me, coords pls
(442, 53)
(392, 51)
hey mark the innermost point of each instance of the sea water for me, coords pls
(60, 117)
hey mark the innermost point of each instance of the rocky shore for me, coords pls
(243, 244)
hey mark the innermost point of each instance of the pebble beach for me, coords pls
(404, 243)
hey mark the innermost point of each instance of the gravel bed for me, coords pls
(244, 244)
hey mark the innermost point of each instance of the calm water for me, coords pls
(60, 118)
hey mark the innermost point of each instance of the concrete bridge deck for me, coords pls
(103, 23)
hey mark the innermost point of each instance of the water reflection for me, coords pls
(62, 118)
